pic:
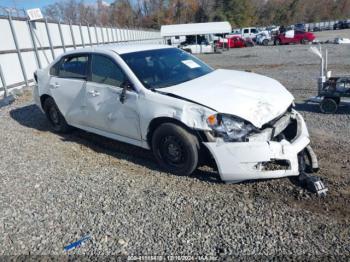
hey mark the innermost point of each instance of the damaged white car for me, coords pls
(164, 99)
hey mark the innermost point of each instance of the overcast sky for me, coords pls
(27, 4)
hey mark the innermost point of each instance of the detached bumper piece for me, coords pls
(308, 163)
(313, 184)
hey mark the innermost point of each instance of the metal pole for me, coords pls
(61, 35)
(124, 36)
(81, 35)
(103, 37)
(107, 34)
(98, 42)
(116, 34)
(111, 28)
(34, 45)
(3, 82)
(128, 33)
(50, 40)
(18, 50)
(88, 27)
(72, 34)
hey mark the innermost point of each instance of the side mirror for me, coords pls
(126, 85)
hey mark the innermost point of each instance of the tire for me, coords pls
(277, 42)
(304, 41)
(175, 149)
(329, 106)
(249, 44)
(265, 42)
(55, 117)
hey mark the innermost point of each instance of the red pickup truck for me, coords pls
(235, 42)
(299, 37)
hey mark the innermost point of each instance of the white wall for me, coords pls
(10, 63)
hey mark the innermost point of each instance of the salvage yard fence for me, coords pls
(27, 45)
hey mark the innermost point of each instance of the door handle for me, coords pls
(54, 86)
(94, 93)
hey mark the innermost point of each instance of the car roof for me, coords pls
(121, 48)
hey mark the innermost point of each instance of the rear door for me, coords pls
(103, 108)
(68, 78)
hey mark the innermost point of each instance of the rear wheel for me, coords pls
(304, 41)
(249, 44)
(329, 106)
(277, 42)
(55, 117)
(175, 149)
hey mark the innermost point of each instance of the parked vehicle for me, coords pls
(263, 38)
(197, 45)
(164, 99)
(331, 90)
(176, 40)
(231, 42)
(300, 27)
(199, 37)
(294, 37)
(249, 32)
(245, 33)
(341, 25)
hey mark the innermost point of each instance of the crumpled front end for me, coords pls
(270, 153)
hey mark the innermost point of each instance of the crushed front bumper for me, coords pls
(238, 161)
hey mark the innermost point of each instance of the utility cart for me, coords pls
(331, 90)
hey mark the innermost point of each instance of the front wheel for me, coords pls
(175, 149)
(277, 42)
(265, 42)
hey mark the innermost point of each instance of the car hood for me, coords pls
(255, 98)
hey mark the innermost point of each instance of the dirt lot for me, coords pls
(56, 189)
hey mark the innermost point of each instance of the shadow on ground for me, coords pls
(30, 116)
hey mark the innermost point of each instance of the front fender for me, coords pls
(154, 105)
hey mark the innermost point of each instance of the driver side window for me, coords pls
(105, 71)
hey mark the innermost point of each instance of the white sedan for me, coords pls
(164, 99)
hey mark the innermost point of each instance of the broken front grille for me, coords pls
(283, 127)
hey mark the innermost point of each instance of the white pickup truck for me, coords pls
(247, 32)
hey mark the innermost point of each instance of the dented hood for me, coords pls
(255, 98)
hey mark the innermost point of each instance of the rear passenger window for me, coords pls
(246, 31)
(105, 71)
(74, 67)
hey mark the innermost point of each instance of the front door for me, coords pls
(103, 108)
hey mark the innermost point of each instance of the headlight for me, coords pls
(231, 128)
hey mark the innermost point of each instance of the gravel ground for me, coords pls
(330, 35)
(56, 189)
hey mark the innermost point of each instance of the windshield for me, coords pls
(165, 67)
